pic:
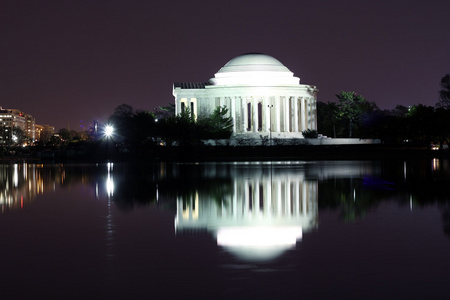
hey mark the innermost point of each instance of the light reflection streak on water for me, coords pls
(435, 164)
(404, 170)
(16, 176)
(110, 181)
(109, 237)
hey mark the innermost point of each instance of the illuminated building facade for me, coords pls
(262, 95)
(14, 118)
(30, 129)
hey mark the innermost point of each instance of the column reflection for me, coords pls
(265, 212)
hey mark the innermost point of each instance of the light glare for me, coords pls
(109, 130)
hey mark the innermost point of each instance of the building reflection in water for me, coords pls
(21, 183)
(264, 213)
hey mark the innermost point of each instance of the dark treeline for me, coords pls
(415, 125)
(163, 127)
(419, 125)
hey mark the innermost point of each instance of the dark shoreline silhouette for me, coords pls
(199, 153)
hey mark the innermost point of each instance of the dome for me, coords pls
(254, 62)
(254, 69)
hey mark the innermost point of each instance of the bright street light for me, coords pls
(109, 130)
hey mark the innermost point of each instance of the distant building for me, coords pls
(30, 129)
(39, 129)
(44, 132)
(14, 118)
(262, 95)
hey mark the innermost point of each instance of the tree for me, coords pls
(351, 107)
(444, 93)
(162, 112)
(180, 129)
(399, 111)
(441, 128)
(123, 111)
(144, 124)
(66, 135)
(310, 134)
(122, 121)
(328, 121)
(217, 125)
(184, 130)
(420, 124)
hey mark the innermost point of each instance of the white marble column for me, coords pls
(302, 114)
(255, 114)
(286, 114)
(305, 116)
(268, 109)
(233, 112)
(277, 114)
(295, 119)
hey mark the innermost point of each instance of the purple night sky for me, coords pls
(64, 61)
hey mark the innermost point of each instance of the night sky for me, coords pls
(70, 62)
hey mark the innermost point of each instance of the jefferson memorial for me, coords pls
(262, 95)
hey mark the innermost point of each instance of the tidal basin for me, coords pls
(234, 230)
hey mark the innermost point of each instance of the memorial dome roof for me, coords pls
(254, 69)
(253, 62)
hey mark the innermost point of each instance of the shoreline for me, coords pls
(200, 153)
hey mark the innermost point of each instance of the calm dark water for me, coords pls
(274, 230)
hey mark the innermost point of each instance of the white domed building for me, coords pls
(262, 95)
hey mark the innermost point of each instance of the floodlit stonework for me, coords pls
(263, 96)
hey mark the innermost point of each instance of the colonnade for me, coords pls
(271, 114)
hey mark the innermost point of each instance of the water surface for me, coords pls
(310, 230)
